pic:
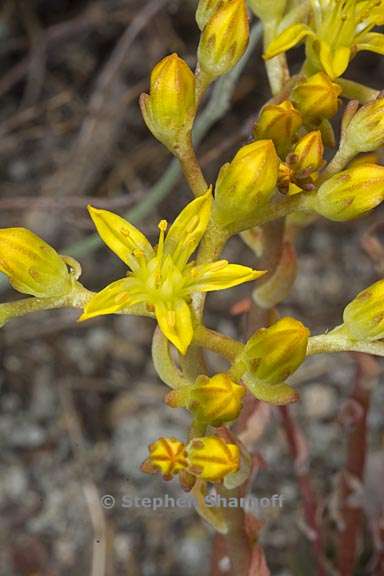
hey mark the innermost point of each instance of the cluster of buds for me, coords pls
(211, 401)
(364, 316)
(170, 107)
(208, 458)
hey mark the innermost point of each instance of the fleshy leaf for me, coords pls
(120, 236)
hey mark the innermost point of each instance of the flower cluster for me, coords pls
(293, 169)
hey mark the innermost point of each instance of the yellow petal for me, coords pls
(372, 42)
(289, 38)
(120, 236)
(112, 299)
(32, 266)
(187, 230)
(334, 62)
(220, 275)
(176, 323)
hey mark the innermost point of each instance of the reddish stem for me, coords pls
(298, 449)
(352, 515)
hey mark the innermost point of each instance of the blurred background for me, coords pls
(80, 403)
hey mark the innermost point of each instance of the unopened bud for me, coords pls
(167, 456)
(308, 154)
(364, 316)
(206, 9)
(351, 193)
(210, 458)
(224, 39)
(33, 266)
(246, 183)
(365, 131)
(317, 97)
(170, 107)
(211, 400)
(274, 353)
(279, 122)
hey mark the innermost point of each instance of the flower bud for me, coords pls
(365, 131)
(211, 400)
(364, 316)
(279, 122)
(170, 107)
(32, 266)
(351, 193)
(224, 39)
(245, 183)
(206, 9)
(274, 353)
(211, 459)
(267, 10)
(317, 97)
(307, 155)
(167, 456)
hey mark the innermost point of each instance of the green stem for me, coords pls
(77, 298)
(356, 91)
(276, 68)
(342, 343)
(216, 342)
(297, 203)
(164, 363)
(191, 169)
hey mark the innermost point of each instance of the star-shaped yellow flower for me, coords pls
(336, 31)
(161, 277)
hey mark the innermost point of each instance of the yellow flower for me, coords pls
(167, 456)
(212, 400)
(211, 459)
(32, 266)
(336, 31)
(161, 277)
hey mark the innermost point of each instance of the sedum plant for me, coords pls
(294, 169)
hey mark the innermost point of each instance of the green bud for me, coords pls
(351, 193)
(274, 353)
(246, 183)
(364, 316)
